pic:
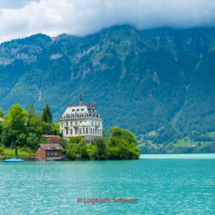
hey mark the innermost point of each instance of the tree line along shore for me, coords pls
(26, 129)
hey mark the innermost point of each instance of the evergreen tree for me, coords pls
(31, 111)
(47, 114)
(2, 113)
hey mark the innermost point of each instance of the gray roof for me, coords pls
(80, 108)
(54, 146)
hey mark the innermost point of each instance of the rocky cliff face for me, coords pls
(140, 80)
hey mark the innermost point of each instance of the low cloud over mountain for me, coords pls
(53, 17)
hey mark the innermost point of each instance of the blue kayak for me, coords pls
(14, 160)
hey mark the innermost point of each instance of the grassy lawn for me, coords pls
(169, 151)
(211, 134)
(12, 152)
(183, 143)
(152, 133)
(140, 145)
(202, 143)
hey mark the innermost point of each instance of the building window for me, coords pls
(83, 131)
(71, 123)
(66, 131)
(47, 154)
(73, 110)
(56, 154)
(77, 109)
(80, 130)
(82, 109)
(76, 122)
(93, 131)
(66, 123)
(86, 130)
(38, 153)
(76, 131)
(41, 153)
(50, 154)
(71, 131)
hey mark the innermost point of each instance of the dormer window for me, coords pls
(77, 109)
(82, 109)
(53, 147)
(73, 110)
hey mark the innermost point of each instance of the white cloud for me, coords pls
(81, 17)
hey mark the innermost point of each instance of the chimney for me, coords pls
(80, 102)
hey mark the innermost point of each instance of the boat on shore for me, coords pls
(13, 160)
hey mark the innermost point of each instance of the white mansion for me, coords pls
(81, 120)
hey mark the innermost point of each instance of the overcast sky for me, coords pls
(21, 18)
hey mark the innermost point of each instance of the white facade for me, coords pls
(81, 120)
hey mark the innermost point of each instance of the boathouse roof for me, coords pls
(47, 147)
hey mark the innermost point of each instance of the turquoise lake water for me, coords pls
(163, 184)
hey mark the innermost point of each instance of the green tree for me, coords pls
(1, 150)
(101, 148)
(83, 152)
(115, 132)
(17, 115)
(47, 114)
(129, 136)
(104, 133)
(56, 128)
(16, 151)
(2, 115)
(31, 111)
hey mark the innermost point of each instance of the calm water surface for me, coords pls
(163, 184)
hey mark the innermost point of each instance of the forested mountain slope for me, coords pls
(140, 80)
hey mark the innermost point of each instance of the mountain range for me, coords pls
(140, 80)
